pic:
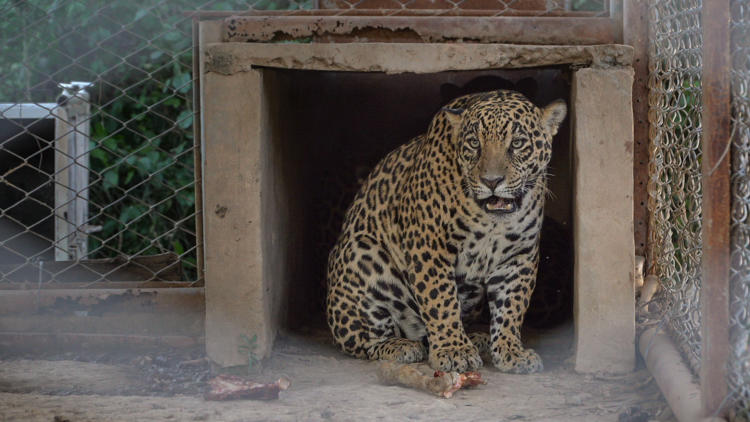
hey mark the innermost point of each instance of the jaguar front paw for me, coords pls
(456, 358)
(482, 342)
(518, 361)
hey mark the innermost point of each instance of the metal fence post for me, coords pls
(716, 122)
(72, 171)
(635, 34)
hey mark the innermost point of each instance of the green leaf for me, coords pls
(99, 155)
(185, 119)
(173, 36)
(144, 165)
(224, 5)
(110, 179)
(154, 156)
(178, 248)
(180, 147)
(110, 143)
(173, 102)
(130, 213)
(129, 176)
(140, 14)
(181, 82)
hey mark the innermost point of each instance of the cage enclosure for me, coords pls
(289, 131)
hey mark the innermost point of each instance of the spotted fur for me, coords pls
(423, 247)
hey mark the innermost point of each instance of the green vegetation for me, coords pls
(247, 347)
(588, 5)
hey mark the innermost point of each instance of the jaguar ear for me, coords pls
(454, 115)
(553, 115)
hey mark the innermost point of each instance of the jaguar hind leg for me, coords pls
(398, 349)
(371, 312)
(386, 336)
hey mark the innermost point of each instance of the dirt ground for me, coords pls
(326, 386)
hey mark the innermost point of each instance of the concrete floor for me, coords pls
(329, 386)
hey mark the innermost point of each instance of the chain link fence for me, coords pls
(97, 153)
(490, 7)
(739, 306)
(97, 178)
(675, 167)
(675, 192)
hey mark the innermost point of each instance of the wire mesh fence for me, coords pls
(97, 179)
(675, 192)
(675, 169)
(739, 306)
(492, 7)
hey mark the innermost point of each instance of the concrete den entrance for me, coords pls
(277, 119)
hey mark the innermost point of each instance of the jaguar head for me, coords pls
(504, 144)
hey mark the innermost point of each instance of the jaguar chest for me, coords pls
(493, 253)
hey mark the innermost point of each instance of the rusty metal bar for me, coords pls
(156, 300)
(197, 156)
(716, 121)
(19, 342)
(213, 14)
(636, 35)
(616, 13)
(89, 286)
(516, 30)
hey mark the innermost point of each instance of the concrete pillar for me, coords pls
(232, 215)
(603, 220)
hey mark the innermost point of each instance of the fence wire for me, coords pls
(675, 170)
(739, 306)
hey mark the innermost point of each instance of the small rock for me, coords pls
(577, 400)
(633, 414)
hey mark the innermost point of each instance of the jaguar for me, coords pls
(444, 225)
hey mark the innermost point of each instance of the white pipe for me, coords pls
(673, 377)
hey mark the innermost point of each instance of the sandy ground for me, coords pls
(327, 386)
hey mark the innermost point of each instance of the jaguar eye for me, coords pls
(473, 142)
(517, 143)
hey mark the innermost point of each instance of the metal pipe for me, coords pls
(673, 377)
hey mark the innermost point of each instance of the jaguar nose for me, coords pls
(492, 182)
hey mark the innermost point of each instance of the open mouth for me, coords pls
(498, 205)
